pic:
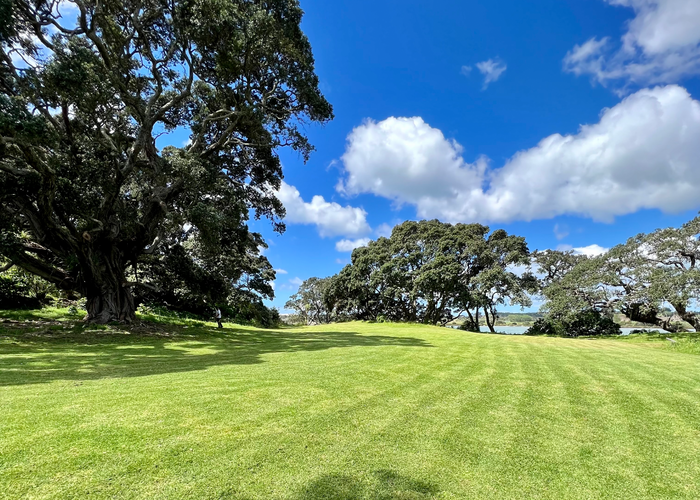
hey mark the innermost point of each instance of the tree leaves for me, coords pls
(80, 172)
(641, 278)
(430, 271)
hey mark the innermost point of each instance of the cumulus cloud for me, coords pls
(296, 281)
(350, 245)
(330, 218)
(661, 45)
(492, 70)
(281, 271)
(589, 251)
(643, 153)
(406, 160)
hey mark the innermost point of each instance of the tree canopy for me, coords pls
(309, 301)
(432, 272)
(89, 201)
(641, 278)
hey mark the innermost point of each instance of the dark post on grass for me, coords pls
(89, 202)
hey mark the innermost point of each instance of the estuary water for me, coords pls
(519, 330)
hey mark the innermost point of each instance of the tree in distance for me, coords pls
(308, 302)
(433, 272)
(640, 278)
(89, 202)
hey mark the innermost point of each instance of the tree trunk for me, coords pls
(490, 320)
(114, 304)
(635, 313)
(108, 297)
(474, 320)
(688, 316)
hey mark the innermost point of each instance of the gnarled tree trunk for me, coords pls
(108, 295)
(635, 312)
(490, 319)
(116, 304)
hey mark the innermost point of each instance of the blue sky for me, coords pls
(574, 123)
(448, 110)
(401, 73)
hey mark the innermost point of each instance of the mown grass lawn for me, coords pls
(347, 411)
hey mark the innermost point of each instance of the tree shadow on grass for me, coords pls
(45, 356)
(380, 485)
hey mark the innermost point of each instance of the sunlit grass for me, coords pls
(346, 411)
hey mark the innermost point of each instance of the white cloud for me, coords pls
(406, 160)
(661, 45)
(331, 219)
(519, 269)
(350, 245)
(383, 230)
(589, 251)
(643, 153)
(561, 231)
(281, 271)
(466, 70)
(296, 281)
(492, 70)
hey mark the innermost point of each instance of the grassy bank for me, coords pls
(347, 411)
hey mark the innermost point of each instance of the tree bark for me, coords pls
(112, 304)
(635, 313)
(688, 316)
(490, 320)
(109, 297)
(474, 319)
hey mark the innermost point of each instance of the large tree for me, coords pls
(430, 271)
(87, 87)
(652, 278)
(308, 302)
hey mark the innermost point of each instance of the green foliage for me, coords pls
(16, 295)
(87, 200)
(547, 326)
(639, 279)
(469, 325)
(252, 313)
(429, 272)
(22, 290)
(309, 302)
(243, 313)
(519, 319)
(588, 323)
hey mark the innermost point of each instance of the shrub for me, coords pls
(591, 323)
(546, 326)
(469, 326)
(587, 323)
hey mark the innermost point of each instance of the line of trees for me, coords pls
(432, 272)
(429, 272)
